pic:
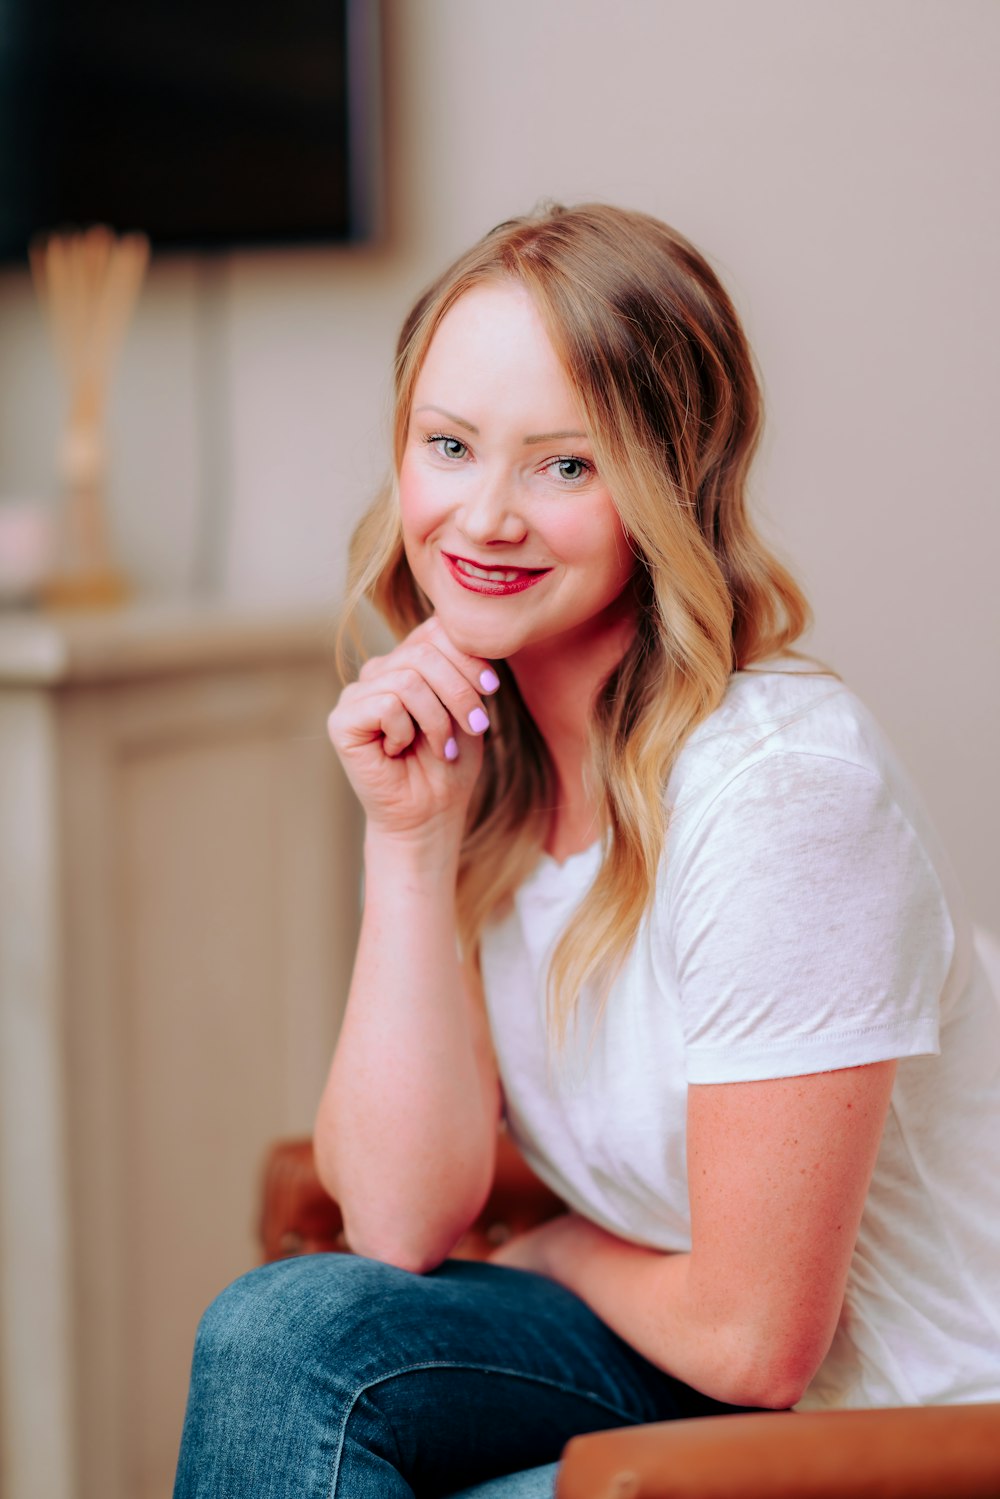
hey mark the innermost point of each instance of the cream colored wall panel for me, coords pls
(205, 1049)
(37, 1429)
(196, 926)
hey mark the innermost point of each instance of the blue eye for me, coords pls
(448, 447)
(571, 470)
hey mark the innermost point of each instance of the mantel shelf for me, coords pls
(157, 638)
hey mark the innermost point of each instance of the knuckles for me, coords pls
(370, 669)
(403, 673)
(409, 678)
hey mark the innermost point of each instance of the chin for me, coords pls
(492, 645)
(479, 637)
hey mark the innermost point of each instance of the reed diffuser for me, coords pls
(88, 284)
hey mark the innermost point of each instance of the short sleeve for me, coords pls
(808, 925)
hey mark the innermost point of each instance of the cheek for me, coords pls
(601, 540)
(417, 513)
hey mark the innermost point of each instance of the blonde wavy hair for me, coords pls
(654, 349)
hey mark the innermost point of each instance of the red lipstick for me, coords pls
(495, 581)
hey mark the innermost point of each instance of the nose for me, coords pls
(490, 513)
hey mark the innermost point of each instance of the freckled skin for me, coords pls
(504, 502)
(777, 1170)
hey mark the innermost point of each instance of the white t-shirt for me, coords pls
(805, 919)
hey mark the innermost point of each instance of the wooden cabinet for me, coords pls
(179, 858)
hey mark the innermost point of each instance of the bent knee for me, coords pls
(238, 1322)
(321, 1304)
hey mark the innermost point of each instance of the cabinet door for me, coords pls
(211, 879)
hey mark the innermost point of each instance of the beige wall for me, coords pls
(835, 159)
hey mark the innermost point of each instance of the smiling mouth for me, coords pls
(495, 580)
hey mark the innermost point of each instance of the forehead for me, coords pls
(493, 340)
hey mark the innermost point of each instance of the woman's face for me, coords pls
(508, 527)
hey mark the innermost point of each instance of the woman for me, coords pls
(645, 883)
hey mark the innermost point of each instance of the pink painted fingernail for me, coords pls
(478, 721)
(450, 750)
(489, 679)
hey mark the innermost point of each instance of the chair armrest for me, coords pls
(299, 1217)
(920, 1452)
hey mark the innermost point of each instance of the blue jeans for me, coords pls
(333, 1376)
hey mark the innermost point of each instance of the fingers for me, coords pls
(429, 640)
(426, 685)
(408, 706)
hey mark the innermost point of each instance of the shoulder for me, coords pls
(790, 796)
(781, 726)
(800, 902)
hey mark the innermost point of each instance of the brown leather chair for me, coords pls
(937, 1452)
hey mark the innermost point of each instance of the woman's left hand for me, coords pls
(540, 1249)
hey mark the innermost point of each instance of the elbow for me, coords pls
(409, 1215)
(366, 1239)
(378, 1225)
(417, 1237)
(770, 1379)
(418, 1246)
(762, 1350)
(418, 1261)
(775, 1393)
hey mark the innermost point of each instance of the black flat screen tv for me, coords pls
(207, 124)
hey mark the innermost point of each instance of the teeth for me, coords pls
(491, 574)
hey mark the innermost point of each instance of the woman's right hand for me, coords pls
(409, 734)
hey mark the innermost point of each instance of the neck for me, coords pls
(558, 681)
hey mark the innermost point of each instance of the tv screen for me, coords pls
(204, 123)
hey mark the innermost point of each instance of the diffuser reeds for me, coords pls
(88, 284)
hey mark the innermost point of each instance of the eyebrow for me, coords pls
(458, 420)
(529, 441)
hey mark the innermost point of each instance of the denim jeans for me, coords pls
(333, 1376)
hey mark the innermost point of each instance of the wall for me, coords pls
(835, 160)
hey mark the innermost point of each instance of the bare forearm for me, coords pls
(406, 1131)
(651, 1300)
